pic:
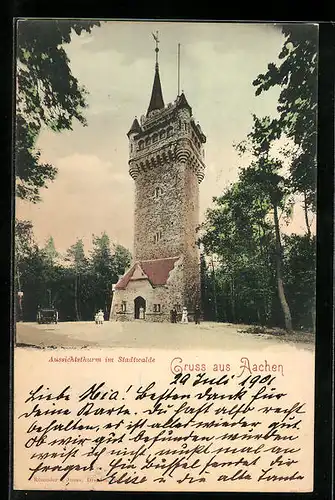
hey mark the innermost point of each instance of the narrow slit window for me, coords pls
(157, 236)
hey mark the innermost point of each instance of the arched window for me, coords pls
(169, 131)
(162, 134)
(158, 191)
(148, 141)
(141, 145)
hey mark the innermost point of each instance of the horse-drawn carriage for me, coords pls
(49, 315)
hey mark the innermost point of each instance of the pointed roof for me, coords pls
(135, 127)
(156, 101)
(138, 273)
(182, 102)
(156, 271)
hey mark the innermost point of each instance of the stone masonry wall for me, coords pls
(174, 214)
(160, 214)
(167, 296)
(191, 251)
(143, 289)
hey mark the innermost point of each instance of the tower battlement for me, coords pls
(167, 134)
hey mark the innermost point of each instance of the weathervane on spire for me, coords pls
(157, 42)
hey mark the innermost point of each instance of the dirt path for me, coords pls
(139, 334)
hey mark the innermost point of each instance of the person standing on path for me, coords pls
(184, 315)
(197, 315)
(173, 315)
(100, 317)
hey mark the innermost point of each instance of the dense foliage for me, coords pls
(76, 284)
(296, 75)
(252, 272)
(47, 95)
(239, 273)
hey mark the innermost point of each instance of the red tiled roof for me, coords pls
(156, 270)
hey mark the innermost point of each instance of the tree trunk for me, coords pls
(18, 278)
(224, 313)
(76, 297)
(232, 296)
(264, 305)
(266, 308)
(281, 291)
(306, 216)
(79, 298)
(214, 291)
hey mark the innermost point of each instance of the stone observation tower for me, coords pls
(166, 161)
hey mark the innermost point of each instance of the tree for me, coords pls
(264, 173)
(24, 245)
(47, 95)
(238, 232)
(206, 289)
(121, 259)
(49, 251)
(76, 285)
(24, 248)
(50, 258)
(297, 106)
(37, 279)
(299, 271)
(101, 255)
(76, 256)
(106, 267)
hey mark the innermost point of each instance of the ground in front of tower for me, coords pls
(142, 335)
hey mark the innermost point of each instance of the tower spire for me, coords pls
(156, 101)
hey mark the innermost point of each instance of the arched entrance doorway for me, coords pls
(139, 303)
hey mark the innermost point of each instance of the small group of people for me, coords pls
(184, 315)
(99, 317)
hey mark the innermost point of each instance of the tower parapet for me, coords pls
(167, 134)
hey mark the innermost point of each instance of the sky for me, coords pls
(93, 191)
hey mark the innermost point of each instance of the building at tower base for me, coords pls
(155, 286)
